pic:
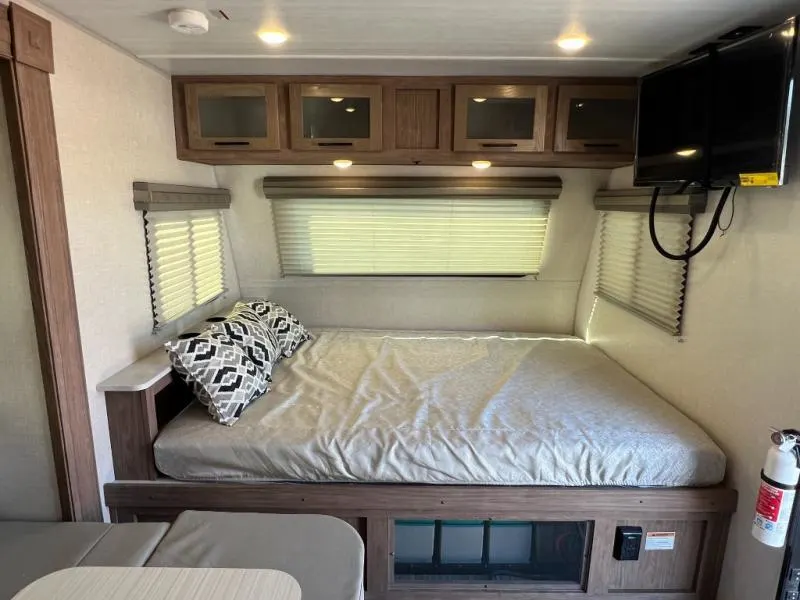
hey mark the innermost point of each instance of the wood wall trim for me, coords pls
(32, 39)
(5, 32)
(132, 445)
(31, 123)
(459, 501)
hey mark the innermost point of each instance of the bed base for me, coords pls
(698, 516)
(146, 395)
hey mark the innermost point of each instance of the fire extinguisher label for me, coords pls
(769, 500)
(773, 511)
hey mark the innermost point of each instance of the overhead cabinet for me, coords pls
(549, 122)
(506, 118)
(422, 118)
(348, 117)
(233, 116)
(595, 118)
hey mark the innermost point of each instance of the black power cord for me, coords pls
(703, 243)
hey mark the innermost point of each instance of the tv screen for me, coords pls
(672, 125)
(752, 98)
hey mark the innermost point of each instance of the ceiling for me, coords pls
(419, 37)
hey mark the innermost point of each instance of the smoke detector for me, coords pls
(188, 21)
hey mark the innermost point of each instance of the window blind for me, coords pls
(410, 236)
(185, 259)
(633, 274)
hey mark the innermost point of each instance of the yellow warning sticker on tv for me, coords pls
(759, 179)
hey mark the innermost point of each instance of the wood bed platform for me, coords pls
(143, 397)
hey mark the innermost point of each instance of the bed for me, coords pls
(474, 409)
(374, 427)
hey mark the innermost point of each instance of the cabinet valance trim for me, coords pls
(545, 188)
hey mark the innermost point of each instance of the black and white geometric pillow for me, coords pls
(253, 336)
(289, 331)
(219, 372)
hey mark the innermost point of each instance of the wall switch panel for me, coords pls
(627, 543)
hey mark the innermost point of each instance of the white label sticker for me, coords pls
(660, 540)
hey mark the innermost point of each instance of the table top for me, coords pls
(156, 583)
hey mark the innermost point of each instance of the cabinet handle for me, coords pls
(231, 143)
(600, 145)
(499, 145)
(334, 144)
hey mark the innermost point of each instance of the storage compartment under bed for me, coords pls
(497, 551)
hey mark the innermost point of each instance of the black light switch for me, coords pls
(627, 542)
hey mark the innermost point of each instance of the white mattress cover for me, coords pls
(397, 407)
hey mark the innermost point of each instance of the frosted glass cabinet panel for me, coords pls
(331, 117)
(595, 118)
(500, 118)
(232, 116)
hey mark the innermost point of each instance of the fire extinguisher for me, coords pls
(776, 495)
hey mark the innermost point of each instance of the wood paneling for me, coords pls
(661, 570)
(5, 32)
(407, 501)
(417, 119)
(34, 150)
(32, 39)
(602, 559)
(714, 545)
(380, 550)
(132, 426)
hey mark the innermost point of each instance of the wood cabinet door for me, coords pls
(336, 116)
(595, 118)
(232, 116)
(500, 118)
(420, 118)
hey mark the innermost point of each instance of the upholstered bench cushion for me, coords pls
(325, 555)
(30, 550)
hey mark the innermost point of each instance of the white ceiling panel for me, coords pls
(411, 37)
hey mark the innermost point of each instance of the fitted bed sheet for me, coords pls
(404, 407)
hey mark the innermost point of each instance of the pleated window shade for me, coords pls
(410, 236)
(185, 253)
(635, 276)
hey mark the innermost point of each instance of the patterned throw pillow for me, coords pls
(253, 336)
(284, 325)
(219, 372)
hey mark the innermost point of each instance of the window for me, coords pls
(411, 236)
(186, 262)
(634, 275)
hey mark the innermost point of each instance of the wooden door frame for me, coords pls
(26, 63)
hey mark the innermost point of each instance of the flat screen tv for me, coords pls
(721, 118)
(672, 125)
(753, 94)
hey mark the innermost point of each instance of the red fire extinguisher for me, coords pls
(776, 495)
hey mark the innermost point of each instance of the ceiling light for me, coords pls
(342, 163)
(687, 153)
(337, 99)
(273, 38)
(481, 164)
(351, 109)
(572, 43)
(479, 100)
